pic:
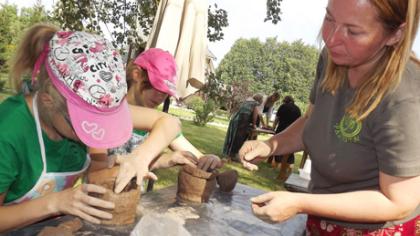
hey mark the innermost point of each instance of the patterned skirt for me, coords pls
(318, 227)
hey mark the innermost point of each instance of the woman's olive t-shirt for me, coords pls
(348, 155)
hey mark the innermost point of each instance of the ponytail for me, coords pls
(30, 48)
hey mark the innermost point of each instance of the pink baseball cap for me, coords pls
(161, 69)
(89, 72)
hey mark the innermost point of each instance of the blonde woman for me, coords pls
(362, 127)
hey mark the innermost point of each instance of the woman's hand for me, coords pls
(209, 162)
(130, 167)
(253, 152)
(275, 206)
(76, 201)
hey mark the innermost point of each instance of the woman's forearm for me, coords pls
(360, 206)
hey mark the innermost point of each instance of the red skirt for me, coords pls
(317, 227)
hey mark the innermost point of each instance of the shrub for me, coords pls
(204, 111)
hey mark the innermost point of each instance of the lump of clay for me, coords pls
(53, 231)
(227, 180)
(125, 202)
(195, 185)
(66, 228)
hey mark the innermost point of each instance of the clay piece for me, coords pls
(66, 228)
(227, 180)
(195, 185)
(125, 202)
(53, 231)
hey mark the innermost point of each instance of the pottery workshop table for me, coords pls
(224, 214)
(255, 132)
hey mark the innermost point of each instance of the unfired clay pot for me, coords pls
(125, 202)
(195, 185)
(227, 180)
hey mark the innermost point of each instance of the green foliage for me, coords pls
(273, 11)
(8, 24)
(130, 21)
(215, 90)
(268, 66)
(192, 102)
(217, 20)
(204, 110)
(12, 24)
(127, 18)
(2, 84)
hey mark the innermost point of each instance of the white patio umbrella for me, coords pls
(180, 27)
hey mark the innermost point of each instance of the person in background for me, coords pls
(266, 108)
(151, 78)
(79, 101)
(240, 126)
(361, 129)
(287, 113)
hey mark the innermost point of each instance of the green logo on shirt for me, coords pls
(348, 129)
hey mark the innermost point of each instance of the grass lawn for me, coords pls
(210, 139)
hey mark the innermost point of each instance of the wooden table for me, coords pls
(255, 132)
(225, 214)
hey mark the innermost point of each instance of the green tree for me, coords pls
(32, 15)
(12, 24)
(128, 18)
(270, 66)
(9, 28)
(128, 22)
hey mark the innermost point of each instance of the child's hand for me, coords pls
(77, 202)
(130, 167)
(209, 162)
(183, 158)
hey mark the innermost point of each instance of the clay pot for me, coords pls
(195, 185)
(125, 202)
(227, 180)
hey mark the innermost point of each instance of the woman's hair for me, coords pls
(275, 96)
(145, 82)
(28, 51)
(258, 97)
(288, 99)
(387, 74)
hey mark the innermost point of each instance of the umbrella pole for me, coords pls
(130, 50)
(166, 105)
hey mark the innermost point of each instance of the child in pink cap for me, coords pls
(151, 78)
(79, 101)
